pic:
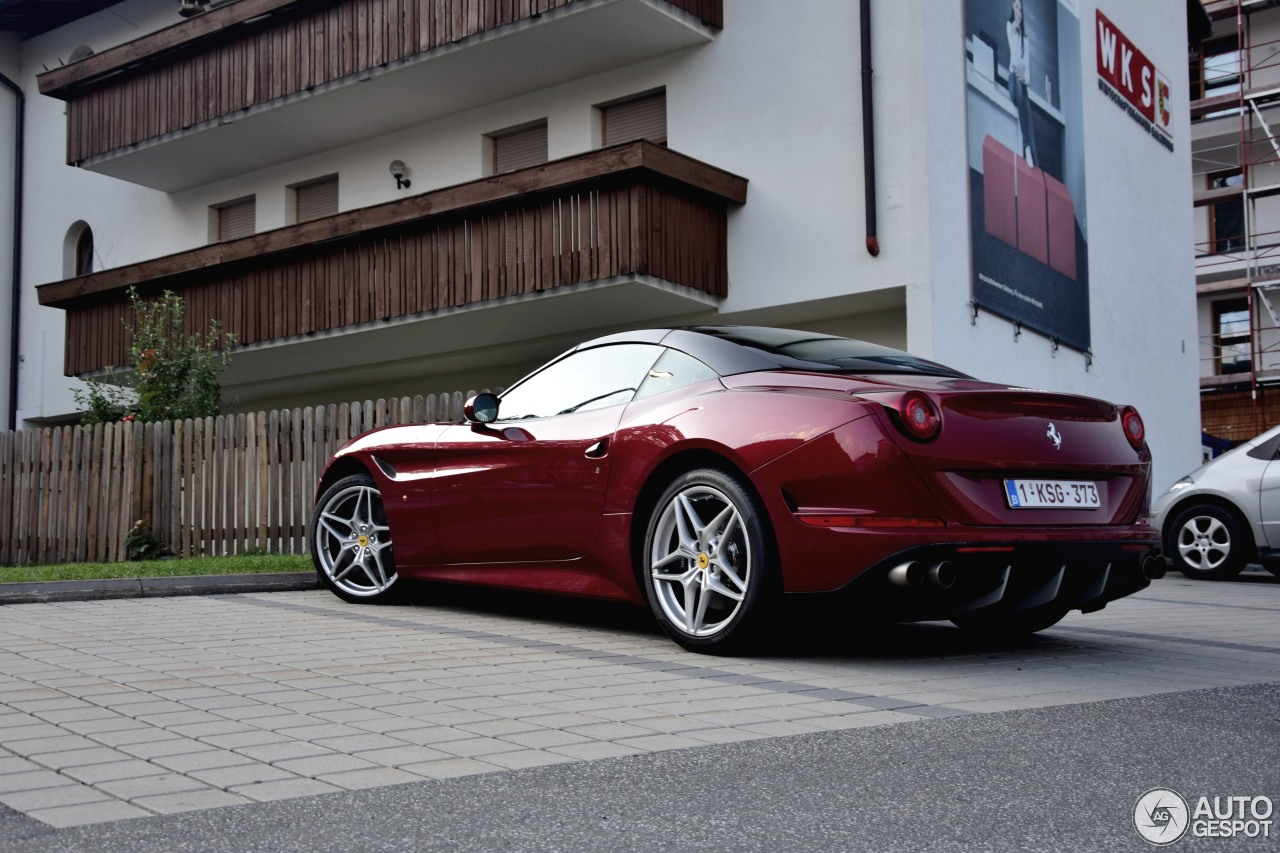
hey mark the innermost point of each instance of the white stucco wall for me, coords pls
(128, 221)
(790, 120)
(748, 102)
(775, 97)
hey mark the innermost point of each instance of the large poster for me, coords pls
(1026, 165)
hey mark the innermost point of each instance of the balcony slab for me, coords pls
(564, 44)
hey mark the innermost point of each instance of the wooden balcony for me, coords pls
(634, 212)
(257, 82)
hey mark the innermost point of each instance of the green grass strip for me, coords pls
(247, 564)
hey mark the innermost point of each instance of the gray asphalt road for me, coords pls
(1063, 778)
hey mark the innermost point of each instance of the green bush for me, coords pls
(172, 375)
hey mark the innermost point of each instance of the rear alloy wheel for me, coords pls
(706, 561)
(351, 542)
(1010, 626)
(1207, 543)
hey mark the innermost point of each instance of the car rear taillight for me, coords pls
(1133, 428)
(919, 416)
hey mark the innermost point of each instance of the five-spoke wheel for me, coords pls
(1207, 543)
(706, 560)
(351, 542)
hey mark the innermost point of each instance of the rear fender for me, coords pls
(748, 430)
(854, 469)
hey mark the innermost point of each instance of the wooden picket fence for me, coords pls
(210, 486)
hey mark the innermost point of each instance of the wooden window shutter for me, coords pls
(520, 149)
(317, 199)
(644, 117)
(237, 219)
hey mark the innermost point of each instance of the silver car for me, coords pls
(1225, 514)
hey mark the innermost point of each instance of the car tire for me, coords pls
(351, 542)
(1207, 542)
(1011, 625)
(708, 566)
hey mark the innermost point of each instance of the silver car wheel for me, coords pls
(1204, 542)
(353, 542)
(700, 561)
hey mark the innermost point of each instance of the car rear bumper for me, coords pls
(947, 580)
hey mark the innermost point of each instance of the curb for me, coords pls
(96, 590)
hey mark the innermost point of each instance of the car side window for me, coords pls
(591, 379)
(1269, 449)
(674, 370)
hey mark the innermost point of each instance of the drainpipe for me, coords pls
(868, 130)
(17, 250)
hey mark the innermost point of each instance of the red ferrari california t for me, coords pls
(710, 470)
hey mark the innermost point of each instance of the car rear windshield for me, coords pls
(807, 351)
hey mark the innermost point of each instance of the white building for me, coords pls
(242, 158)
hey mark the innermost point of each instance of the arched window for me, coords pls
(77, 251)
(84, 252)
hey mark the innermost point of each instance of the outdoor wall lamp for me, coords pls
(191, 8)
(398, 171)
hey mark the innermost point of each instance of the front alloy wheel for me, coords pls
(704, 561)
(351, 542)
(1208, 543)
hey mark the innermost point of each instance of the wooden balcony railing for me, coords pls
(632, 210)
(253, 52)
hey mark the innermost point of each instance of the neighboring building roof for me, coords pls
(32, 17)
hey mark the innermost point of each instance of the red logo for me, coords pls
(1134, 77)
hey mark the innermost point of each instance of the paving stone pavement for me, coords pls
(129, 708)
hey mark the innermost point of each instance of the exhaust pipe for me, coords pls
(942, 575)
(909, 573)
(1153, 566)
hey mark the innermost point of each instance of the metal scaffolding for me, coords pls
(1256, 100)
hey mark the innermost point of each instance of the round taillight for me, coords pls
(1133, 427)
(919, 416)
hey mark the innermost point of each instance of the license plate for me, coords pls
(1052, 494)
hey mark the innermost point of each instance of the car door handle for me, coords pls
(598, 450)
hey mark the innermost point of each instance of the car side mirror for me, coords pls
(481, 409)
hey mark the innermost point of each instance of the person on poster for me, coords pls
(1019, 74)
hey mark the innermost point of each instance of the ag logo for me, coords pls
(1161, 816)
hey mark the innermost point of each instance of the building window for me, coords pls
(1231, 331)
(1226, 217)
(234, 219)
(84, 252)
(518, 148)
(637, 117)
(315, 199)
(78, 253)
(1217, 71)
